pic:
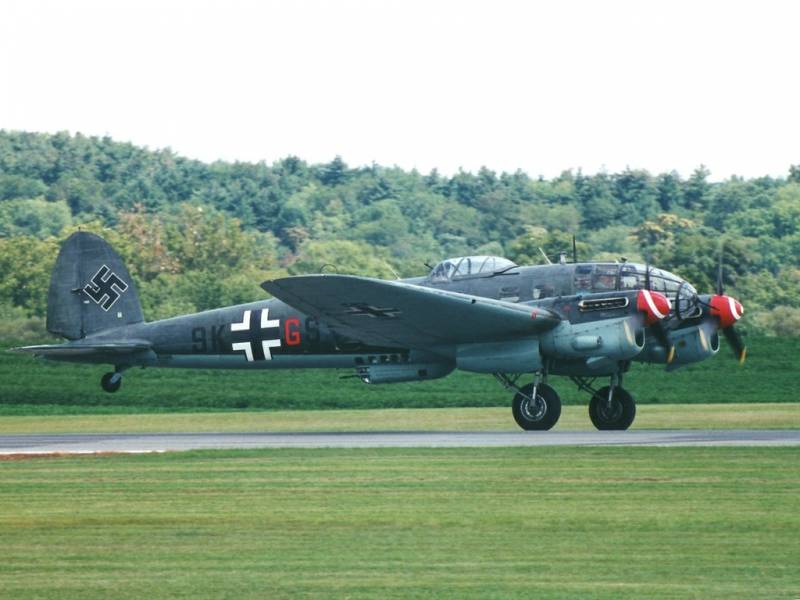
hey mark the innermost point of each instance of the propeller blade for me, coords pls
(663, 339)
(720, 291)
(736, 343)
(574, 250)
(647, 275)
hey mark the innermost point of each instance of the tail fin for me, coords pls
(90, 289)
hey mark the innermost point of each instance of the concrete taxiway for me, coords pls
(162, 442)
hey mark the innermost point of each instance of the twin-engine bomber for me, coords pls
(483, 314)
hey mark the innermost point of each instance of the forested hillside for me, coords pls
(199, 235)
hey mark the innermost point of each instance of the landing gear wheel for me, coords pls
(536, 414)
(618, 414)
(111, 382)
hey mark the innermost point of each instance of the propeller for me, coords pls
(728, 310)
(657, 308)
(660, 333)
(657, 327)
(725, 309)
(736, 343)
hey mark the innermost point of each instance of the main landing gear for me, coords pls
(536, 406)
(112, 381)
(611, 407)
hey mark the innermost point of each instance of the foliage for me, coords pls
(36, 217)
(342, 256)
(15, 324)
(194, 234)
(25, 266)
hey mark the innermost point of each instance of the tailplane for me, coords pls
(90, 289)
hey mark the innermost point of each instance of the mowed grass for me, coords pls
(30, 387)
(390, 523)
(649, 416)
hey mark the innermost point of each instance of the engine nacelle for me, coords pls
(694, 344)
(615, 339)
(395, 373)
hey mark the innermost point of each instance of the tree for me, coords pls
(637, 193)
(662, 230)
(668, 191)
(343, 256)
(525, 249)
(696, 189)
(786, 210)
(334, 173)
(25, 266)
(35, 217)
(17, 186)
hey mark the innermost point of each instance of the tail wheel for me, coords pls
(111, 382)
(536, 414)
(617, 414)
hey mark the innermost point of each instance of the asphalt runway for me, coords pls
(163, 442)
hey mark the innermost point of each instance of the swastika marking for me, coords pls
(105, 288)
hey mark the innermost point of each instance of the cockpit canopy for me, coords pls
(469, 266)
(600, 277)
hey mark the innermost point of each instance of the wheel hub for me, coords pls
(534, 409)
(610, 411)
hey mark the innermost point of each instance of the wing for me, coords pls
(85, 350)
(404, 315)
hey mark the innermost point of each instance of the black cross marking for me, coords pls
(105, 288)
(254, 335)
(362, 308)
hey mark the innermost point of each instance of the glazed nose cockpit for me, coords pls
(686, 305)
(603, 277)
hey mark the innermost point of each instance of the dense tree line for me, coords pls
(198, 235)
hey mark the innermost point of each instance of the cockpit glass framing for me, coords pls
(632, 277)
(604, 278)
(469, 266)
(599, 277)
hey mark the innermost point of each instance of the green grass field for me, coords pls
(649, 416)
(29, 386)
(387, 523)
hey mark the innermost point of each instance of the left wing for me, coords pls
(404, 315)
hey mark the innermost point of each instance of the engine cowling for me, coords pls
(694, 345)
(616, 339)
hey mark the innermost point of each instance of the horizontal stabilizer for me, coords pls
(76, 349)
(404, 315)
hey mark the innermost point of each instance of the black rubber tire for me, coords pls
(544, 416)
(621, 414)
(106, 384)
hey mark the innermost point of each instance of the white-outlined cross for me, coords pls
(263, 346)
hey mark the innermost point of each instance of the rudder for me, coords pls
(90, 289)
